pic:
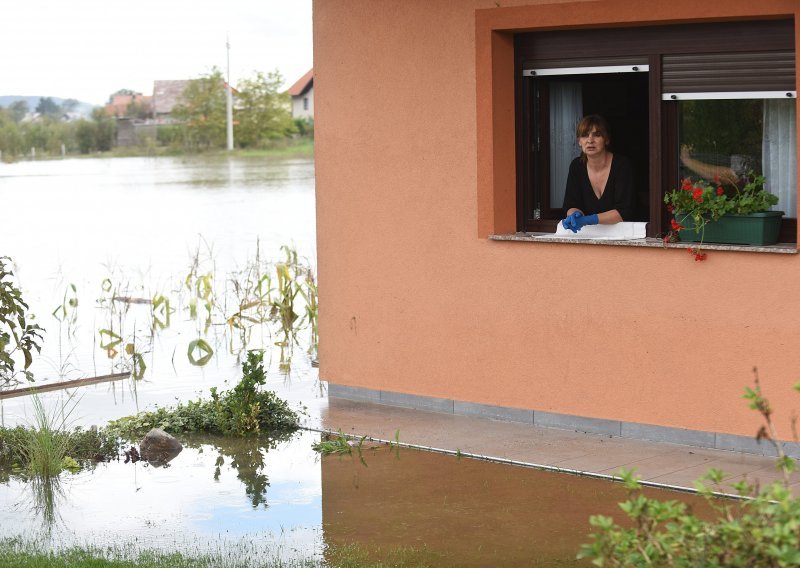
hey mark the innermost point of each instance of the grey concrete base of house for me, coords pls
(632, 430)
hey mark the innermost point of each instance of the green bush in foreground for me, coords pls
(240, 411)
(762, 529)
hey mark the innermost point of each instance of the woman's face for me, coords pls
(593, 143)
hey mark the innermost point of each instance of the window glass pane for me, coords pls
(730, 138)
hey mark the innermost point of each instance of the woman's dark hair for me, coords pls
(589, 123)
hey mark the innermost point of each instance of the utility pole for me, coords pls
(229, 97)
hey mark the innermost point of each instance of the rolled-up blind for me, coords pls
(728, 72)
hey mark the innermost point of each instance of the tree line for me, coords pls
(261, 115)
(49, 134)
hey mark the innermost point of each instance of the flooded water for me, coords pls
(95, 242)
(248, 500)
(137, 228)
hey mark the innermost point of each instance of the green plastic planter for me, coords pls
(755, 229)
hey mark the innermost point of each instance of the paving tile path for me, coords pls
(661, 463)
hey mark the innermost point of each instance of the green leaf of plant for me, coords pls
(202, 346)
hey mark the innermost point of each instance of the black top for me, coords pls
(618, 194)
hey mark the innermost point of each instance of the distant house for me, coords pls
(166, 95)
(302, 93)
(120, 105)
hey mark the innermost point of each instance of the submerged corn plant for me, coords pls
(67, 311)
(199, 282)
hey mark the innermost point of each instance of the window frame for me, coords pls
(598, 46)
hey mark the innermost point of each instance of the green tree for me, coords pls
(105, 130)
(84, 136)
(122, 92)
(202, 109)
(36, 135)
(262, 111)
(138, 109)
(48, 107)
(18, 110)
(69, 105)
(11, 143)
(10, 138)
(97, 134)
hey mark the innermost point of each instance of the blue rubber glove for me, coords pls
(571, 222)
(584, 220)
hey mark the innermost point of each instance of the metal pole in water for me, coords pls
(229, 96)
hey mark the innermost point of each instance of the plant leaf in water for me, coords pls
(139, 366)
(201, 345)
(73, 302)
(161, 312)
(109, 341)
(204, 287)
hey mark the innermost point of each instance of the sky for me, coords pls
(88, 49)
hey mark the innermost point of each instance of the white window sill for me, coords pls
(780, 248)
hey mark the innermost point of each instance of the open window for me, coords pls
(676, 107)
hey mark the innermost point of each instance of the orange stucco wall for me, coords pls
(415, 166)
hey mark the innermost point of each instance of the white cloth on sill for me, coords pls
(621, 231)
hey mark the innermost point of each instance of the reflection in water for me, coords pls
(247, 456)
(46, 494)
(461, 512)
(217, 494)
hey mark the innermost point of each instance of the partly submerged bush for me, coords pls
(20, 448)
(760, 529)
(242, 410)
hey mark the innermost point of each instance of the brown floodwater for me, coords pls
(462, 511)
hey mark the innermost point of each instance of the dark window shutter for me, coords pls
(728, 72)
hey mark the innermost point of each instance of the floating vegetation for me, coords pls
(336, 444)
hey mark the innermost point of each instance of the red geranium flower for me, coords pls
(700, 256)
(686, 185)
(670, 209)
(675, 225)
(720, 191)
(698, 194)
